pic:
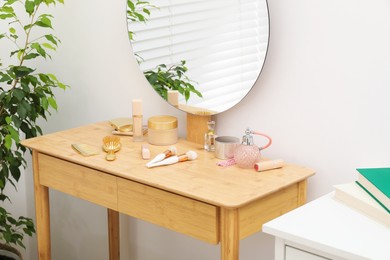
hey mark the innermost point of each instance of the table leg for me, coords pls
(302, 189)
(113, 234)
(42, 212)
(229, 234)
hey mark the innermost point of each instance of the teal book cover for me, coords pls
(376, 181)
(380, 177)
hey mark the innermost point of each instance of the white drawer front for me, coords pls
(292, 253)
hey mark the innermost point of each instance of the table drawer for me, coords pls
(79, 181)
(178, 213)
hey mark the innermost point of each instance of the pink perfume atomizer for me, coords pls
(247, 153)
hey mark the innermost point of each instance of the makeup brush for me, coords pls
(188, 156)
(161, 156)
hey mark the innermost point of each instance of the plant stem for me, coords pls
(26, 43)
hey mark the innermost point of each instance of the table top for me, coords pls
(330, 226)
(201, 179)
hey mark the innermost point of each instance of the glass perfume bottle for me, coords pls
(247, 154)
(209, 137)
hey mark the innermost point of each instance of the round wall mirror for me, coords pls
(201, 56)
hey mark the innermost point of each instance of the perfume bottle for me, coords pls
(209, 137)
(247, 154)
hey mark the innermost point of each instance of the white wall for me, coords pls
(322, 96)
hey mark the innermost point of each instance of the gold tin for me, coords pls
(162, 130)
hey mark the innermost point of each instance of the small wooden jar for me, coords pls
(162, 130)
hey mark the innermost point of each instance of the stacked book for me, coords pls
(370, 194)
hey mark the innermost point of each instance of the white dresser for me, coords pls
(327, 229)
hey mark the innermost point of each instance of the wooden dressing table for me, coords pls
(196, 198)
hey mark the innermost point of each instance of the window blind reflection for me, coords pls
(223, 42)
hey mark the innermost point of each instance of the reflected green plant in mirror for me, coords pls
(171, 78)
(163, 77)
(137, 11)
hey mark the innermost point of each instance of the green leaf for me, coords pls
(48, 46)
(14, 36)
(131, 35)
(8, 141)
(14, 134)
(17, 121)
(33, 80)
(39, 49)
(187, 95)
(53, 77)
(44, 78)
(140, 17)
(197, 93)
(31, 56)
(51, 39)
(152, 78)
(10, 2)
(23, 109)
(15, 172)
(7, 9)
(130, 5)
(20, 54)
(44, 103)
(18, 93)
(28, 26)
(146, 11)
(12, 30)
(52, 102)
(5, 16)
(39, 130)
(44, 22)
(45, 15)
(8, 120)
(29, 6)
(62, 86)
(21, 71)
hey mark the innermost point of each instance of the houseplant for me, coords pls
(164, 78)
(26, 95)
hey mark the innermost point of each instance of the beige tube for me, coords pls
(269, 165)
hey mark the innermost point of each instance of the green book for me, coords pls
(376, 182)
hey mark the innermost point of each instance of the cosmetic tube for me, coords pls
(173, 98)
(268, 165)
(137, 121)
